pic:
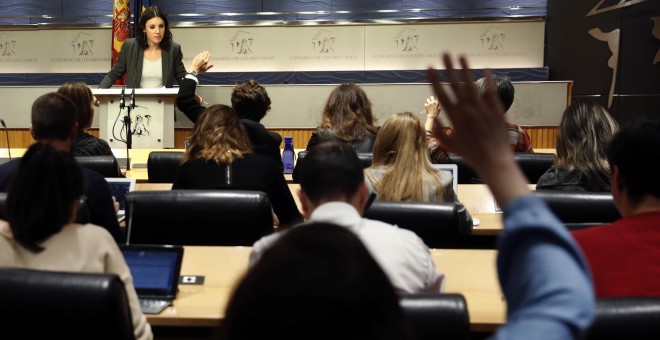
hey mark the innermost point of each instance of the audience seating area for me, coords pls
(163, 166)
(107, 166)
(198, 217)
(626, 318)
(533, 166)
(581, 209)
(60, 305)
(437, 316)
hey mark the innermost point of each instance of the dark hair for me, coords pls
(81, 95)
(347, 113)
(504, 88)
(53, 116)
(41, 196)
(635, 151)
(330, 170)
(316, 282)
(148, 14)
(250, 100)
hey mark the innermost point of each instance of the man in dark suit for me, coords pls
(250, 101)
(54, 123)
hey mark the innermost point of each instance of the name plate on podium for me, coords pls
(152, 118)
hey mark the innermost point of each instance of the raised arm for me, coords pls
(541, 271)
(186, 100)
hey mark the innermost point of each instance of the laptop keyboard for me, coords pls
(152, 306)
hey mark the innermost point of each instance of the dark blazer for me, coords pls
(263, 141)
(130, 60)
(321, 135)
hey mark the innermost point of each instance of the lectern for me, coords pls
(152, 118)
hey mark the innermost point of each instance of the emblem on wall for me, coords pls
(406, 40)
(7, 45)
(83, 44)
(324, 42)
(493, 38)
(241, 42)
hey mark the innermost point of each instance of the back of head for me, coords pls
(583, 134)
(348, 114)
(318, 281)
(40, 203)
(401, 146)
(82, 97)
(148, 14)
(53, 117)
(635, 151)
(330, 171)
(250, 100)
(218, 135)
(504, 88)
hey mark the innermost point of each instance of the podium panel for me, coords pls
(152, 119)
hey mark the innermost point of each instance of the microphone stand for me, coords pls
(129, 133)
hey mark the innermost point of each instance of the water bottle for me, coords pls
(288, 155)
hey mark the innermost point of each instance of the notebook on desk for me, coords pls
(119, 188)
(155, 270)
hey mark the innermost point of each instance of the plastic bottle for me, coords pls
(288, 155)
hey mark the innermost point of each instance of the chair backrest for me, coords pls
(436, 316)
(107, 166)
(364, 157)
(163, 166)
(198, 217)
(82, 217)
(439, 225)
(626, 318)
(533, 165)
(581, 209)
(49, 305)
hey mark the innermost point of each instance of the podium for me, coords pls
(152, 119)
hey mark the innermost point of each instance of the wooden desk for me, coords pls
(469, 272)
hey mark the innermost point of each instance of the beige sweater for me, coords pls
(77, 248)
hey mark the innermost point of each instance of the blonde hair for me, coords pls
(218, 135)
(583, 134)
(401, 147)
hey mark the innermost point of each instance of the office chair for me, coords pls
(198, 217)
(533, 165)
(82, 217)
(436, 316)
(626, 318)
(578, 209)
(163, 166)
(107, 166)
(439, 225)
(38, 304)
(364, 157)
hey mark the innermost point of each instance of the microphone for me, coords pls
(122, 102)
(132, 100)
(4, 126)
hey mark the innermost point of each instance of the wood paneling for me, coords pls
(542, 137)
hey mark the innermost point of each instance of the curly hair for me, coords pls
(347, 113)
(218, 135)
(250, 100)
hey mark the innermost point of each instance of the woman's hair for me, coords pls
(218, 135)
(82, 97)
(250, 100)
(42, 195)
(583, 134)
(317, 281)
(347, 113)
(148, 14)
(401, 147)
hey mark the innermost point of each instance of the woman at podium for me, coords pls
(150, 60)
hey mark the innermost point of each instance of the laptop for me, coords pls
(155, 270)
(453, 170)
(119, 187)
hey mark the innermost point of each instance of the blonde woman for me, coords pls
(401, 170)
(220, 157)
(581, 163)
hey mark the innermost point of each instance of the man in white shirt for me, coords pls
(333, 191)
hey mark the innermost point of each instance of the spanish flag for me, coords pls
(120, 28)
(138, 7)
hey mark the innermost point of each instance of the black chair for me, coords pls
(439, 225)
(579, 209)
(198, 217)
(533, 165)
(49, 305)
(82, 217)
(107, 166)
(436, 316)
(163, 166)
(365, 160)
(626, 318)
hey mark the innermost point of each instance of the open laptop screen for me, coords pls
(119, 187)
(155, 269)
(453, 170)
